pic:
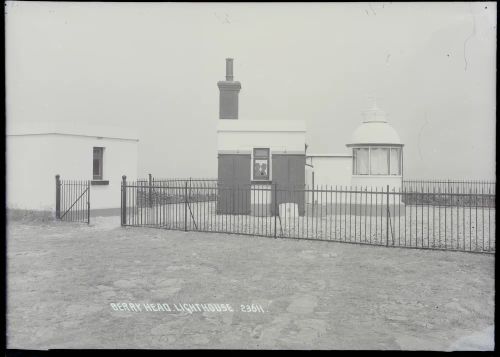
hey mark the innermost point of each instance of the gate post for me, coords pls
(387, 219)
(185, 206)
(312, 194)
(150, 195)
(58, 197)
(88, 202)
(124, 200)
(276, 207)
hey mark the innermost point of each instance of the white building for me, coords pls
(375, 160)
(37, 152)
(256, 157)
(328, 170)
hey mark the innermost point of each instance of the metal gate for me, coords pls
(73, 200)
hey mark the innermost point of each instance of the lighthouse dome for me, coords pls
(377, 152)
(375, 133)
(375, 129)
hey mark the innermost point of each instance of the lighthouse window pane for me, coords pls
(396, 161)
(379, 164)
(361, 163)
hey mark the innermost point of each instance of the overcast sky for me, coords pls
(154, 67)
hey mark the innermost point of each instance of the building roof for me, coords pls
(329, 155)
(375, 129)
(60, 128)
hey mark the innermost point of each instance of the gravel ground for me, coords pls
(63, 277)
(426, 227)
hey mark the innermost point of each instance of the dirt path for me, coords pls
(63, 278)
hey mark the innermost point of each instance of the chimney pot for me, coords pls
(229, 69)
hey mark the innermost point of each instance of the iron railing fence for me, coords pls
(167, 191)
(176, 181)
(73, 200)
(450, 186)
(446, 190)
(376, 216)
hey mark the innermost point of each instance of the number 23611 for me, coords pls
(252, 308)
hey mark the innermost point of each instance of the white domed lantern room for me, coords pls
(377, 152)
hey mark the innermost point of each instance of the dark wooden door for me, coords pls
(288, 177)
(241, 184)
(234, 184)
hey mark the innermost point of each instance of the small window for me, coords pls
(261, 164)
(97, 163)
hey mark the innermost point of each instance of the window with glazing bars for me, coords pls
(97, 163)
(261, 167)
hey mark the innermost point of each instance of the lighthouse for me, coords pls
(377, 151)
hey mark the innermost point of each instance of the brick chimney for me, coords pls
(229, 91)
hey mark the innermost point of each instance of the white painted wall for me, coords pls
(244, 135)
(245, 142)
(334, 171)
(30, 181)
(329, 170)
(34, 160)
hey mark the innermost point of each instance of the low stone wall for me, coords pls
(29, 215)
(47, 216)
